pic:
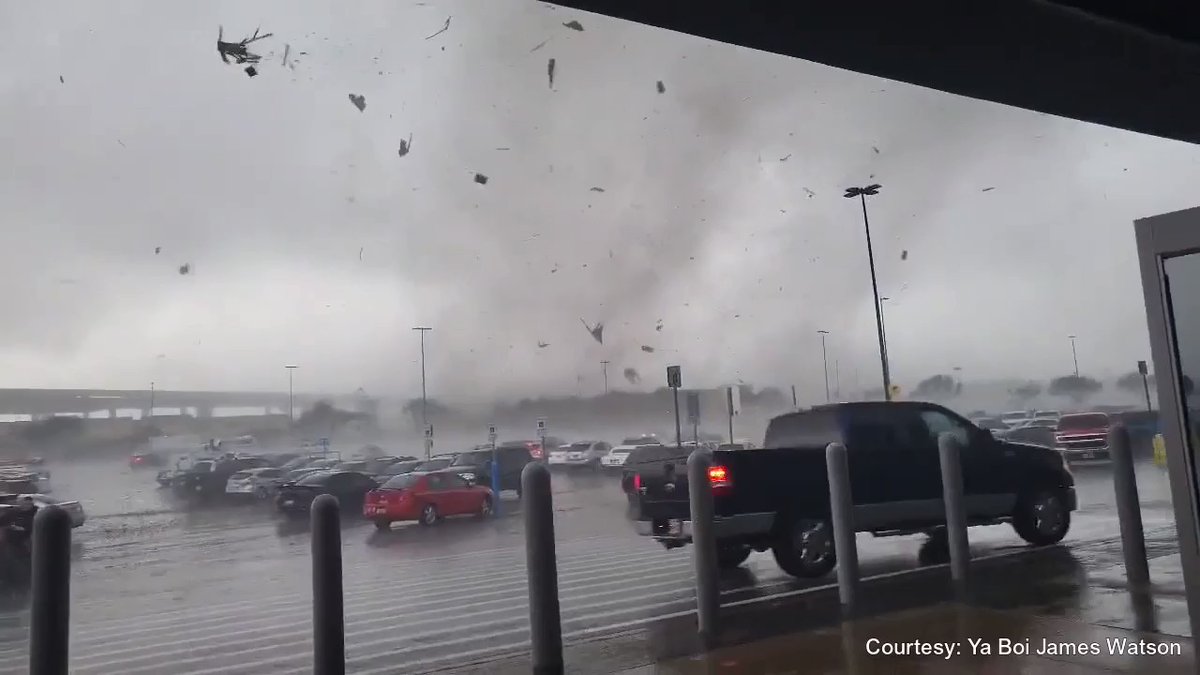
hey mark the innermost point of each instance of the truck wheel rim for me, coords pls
(486, 509)
(430, 514)
(1048, 514)
(811, 541)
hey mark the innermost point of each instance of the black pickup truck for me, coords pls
(777, 497)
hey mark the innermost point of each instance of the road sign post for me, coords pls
(734, 398)
(428, 441)
(541, 434)
(1145, 373)
(675, 381)
(495, 472)
(693, 410)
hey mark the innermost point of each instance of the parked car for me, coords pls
(144, 459)
(1083, 437)
(1015, 417)
(350, 488)
(579, 454)
(476, 466)
(435, 463)
(208, 477)
(259, 482)
(777, 497)
(614, 460)
(396, 468)
(534, 447)
(1036, 435)
(73, 508)
(427, 498)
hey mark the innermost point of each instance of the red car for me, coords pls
(426, 498)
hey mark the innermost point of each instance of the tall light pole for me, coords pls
(1074, 355)
(604, 369)
(291, 403)
(883, 327)
(825, 361)
(151, 399)
(424, 400)
(862, 193)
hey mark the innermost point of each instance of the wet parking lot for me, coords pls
(226, 589)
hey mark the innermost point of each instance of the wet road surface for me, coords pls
(227, 589)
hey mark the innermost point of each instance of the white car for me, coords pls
(73, 508)
(258, 482)
(581, 453)
(615, 459)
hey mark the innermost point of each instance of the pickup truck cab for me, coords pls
(777, 497)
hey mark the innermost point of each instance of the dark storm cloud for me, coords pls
(311, 238)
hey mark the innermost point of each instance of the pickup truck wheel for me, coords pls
(383, 524)
(1042, 518)
(732, 556)
(804, 548)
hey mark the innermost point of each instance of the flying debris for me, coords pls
(157, 250)
(445, 27)
(539, 45)
(481, 179)
(185, 268)
(251, 71)
(875, 149)
(597, 331)
(632, 376)
(785, 157)
(543, 345)
(61, 80)
(662, 88)
(360, 252)
(810, 193)
(574, 25)
(658, 326)
(987, 189)
(405, 146)
(904, 254)
(359, 101)
(648, 349)
(238, 51)
(597, 189)
(550, 72)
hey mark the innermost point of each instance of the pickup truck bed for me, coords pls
(777, 497)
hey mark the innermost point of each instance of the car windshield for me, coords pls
(1083, 422)
(316, 479)
(472, 458)
(578, 447)
(401, 467)
(433, 465)
(401, 482)
(240, 475)
(202, 467)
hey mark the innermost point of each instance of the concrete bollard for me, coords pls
(949, 454)
(1129, 508)
(704, 545)
(545, 622)
(329, 639)
(841, 510)
(50, 615)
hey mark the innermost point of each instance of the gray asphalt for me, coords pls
(226, 590)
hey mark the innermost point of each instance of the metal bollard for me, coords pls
(949, 454)
(841, 510)
(50, 616)
(704, 545)
(495, 484)
(1129, 509)
(545, 622)
(329, 638)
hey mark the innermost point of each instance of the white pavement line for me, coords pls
(386, 607)
(519, 618)
(518, 553)
(122, 626)
(513, 614)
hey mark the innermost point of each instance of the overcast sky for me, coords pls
(311, 240)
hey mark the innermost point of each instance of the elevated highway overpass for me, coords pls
(46, 402)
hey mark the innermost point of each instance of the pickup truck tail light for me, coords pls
(718, 477)
(637, 482)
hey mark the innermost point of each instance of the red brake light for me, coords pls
(637, 481)
(718, 476)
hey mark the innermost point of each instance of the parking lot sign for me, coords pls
(492, 434)
(674, 377)
(541, 427)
